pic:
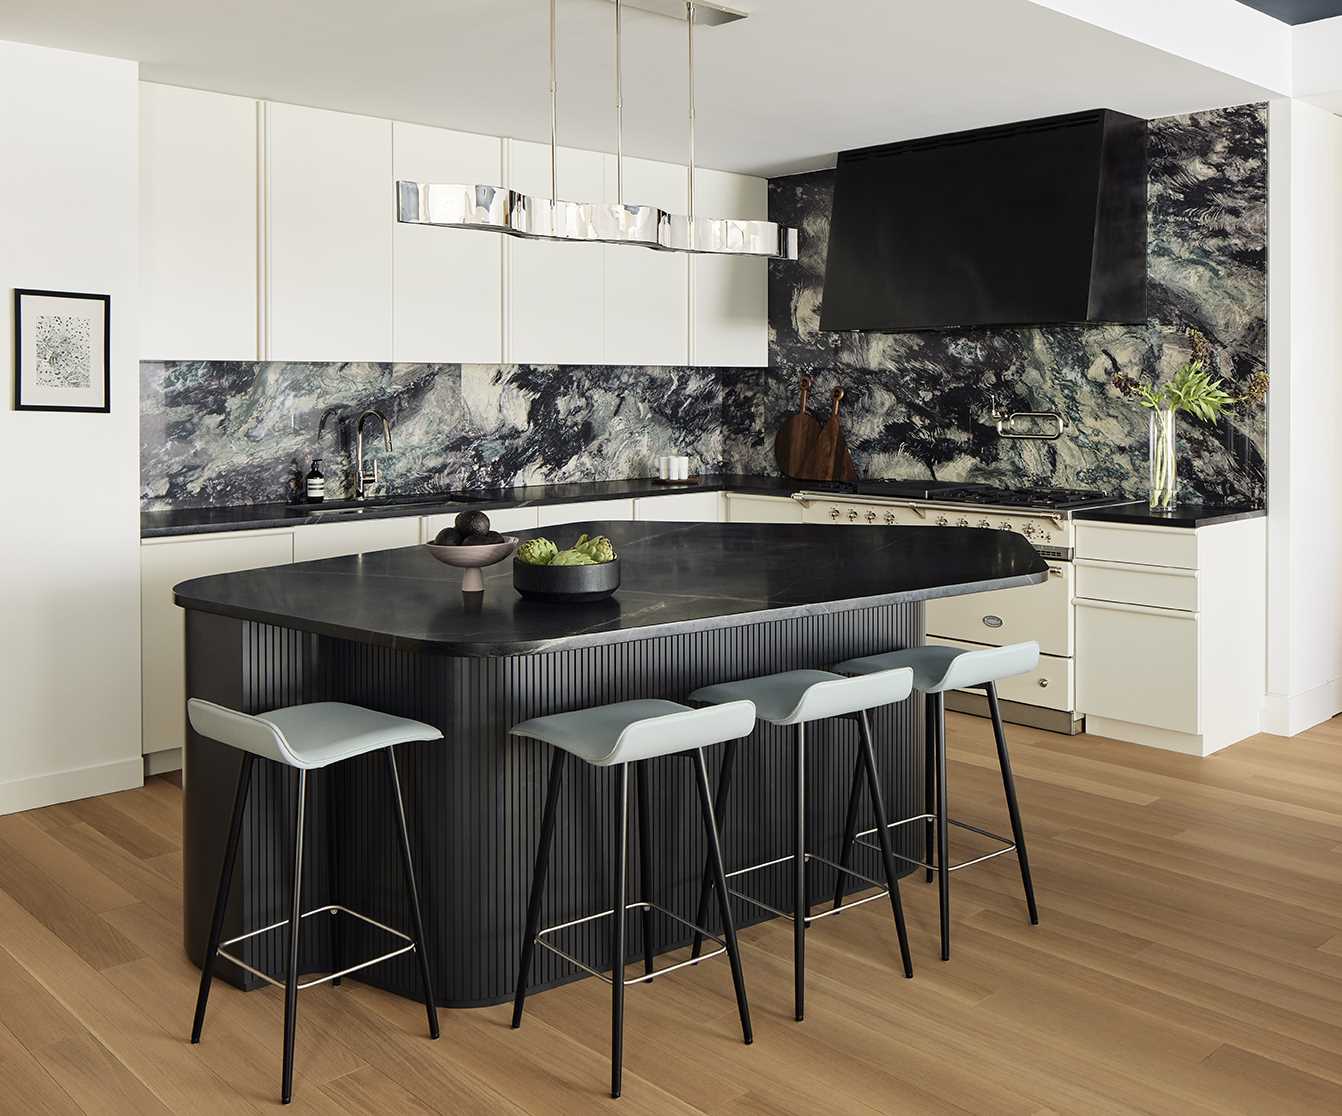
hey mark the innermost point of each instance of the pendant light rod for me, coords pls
(619, 104)
(689, 54)
(554, 103)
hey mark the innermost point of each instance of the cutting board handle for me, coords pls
(805, 393)
(838, 396)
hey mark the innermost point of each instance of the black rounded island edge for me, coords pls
(699, 603)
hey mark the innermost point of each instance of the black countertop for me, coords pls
(251, 517)
(1190, 516)
(677, 577)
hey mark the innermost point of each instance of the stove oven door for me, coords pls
(1039, 612)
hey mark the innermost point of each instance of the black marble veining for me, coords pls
(1190, 515)
(677, 578)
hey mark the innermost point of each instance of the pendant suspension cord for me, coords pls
(619, 105)
(554, 104)
(689, 23)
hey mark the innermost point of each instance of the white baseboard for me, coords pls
(1190, 744)
(1292, 714)
(160, 763)
(66, 786)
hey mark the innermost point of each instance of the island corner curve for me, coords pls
(390, 630)
(676, 578)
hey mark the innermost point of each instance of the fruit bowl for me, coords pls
(566, 584)
(473, 559)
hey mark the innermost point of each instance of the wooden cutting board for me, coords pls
(796, 436)
(828, 458)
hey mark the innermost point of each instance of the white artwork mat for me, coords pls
(62, 348)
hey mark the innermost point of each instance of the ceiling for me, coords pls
(1297, 11)
(778, 92)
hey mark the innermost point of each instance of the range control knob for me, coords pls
(834, 513)
(942, 521)
(1004, 526)
(890, 518)
(852, 515)
(962, 522)
(1029, 530)
(984, 523)
(871, 517)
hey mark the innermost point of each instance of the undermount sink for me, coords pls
(381, 503)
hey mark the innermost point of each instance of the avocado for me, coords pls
(448, 536)
(484, 539)
(472, 523)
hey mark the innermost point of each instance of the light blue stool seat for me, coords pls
(936, 670)
(616, 736)
(307, 738)
(796, 698)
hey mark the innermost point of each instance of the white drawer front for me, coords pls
(1137, 664)
(743, 507)
(553, 514)
(1147, 546)
(1049, 685)
(1129, 583)
(1038, 612)
(680, 507)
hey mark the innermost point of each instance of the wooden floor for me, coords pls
(1189, 960)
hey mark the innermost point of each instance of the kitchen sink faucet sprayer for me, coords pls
(369, 479)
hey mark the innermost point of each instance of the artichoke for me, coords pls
(598, 549)
(572, 557)
(537, 552)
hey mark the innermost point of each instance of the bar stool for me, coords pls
(306, 738)
(800, 697)
(632, 732)
(935, 670)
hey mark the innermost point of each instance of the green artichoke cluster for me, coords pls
(584, 552)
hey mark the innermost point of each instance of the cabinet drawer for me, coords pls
(1129, 583)
(681, 507)
(581, 513)
(1049, 685)
(745, 508)
(1038, 612)
(335, 540)
(1147, 546)
(1138, 664)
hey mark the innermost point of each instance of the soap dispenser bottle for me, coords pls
(316, 483)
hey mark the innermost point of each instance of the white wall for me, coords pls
(1304, 662)
(69, 523)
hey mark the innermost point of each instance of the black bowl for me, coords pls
(566, 584)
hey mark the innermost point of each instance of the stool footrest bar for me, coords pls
(1008, 844)
(810, 918)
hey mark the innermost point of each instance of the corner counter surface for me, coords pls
(1188, 516)
(676, 577)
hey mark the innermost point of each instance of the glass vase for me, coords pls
(1164, 465)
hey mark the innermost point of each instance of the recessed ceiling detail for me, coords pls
(1297, 11)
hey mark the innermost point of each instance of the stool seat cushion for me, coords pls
(798, 696)
(937, 669)
(629, 731)
(306, 736)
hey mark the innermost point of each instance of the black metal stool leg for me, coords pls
(799, 911)
(719, 873)
(538, 875)
(1009, 786)
(617, 915)
(849, 831)
(706, 890)
(295, 920)
(333, 871)
(221, 899)
(408, 865)
(929, 777)
(943, 828)
(645, 861)
(868, 752)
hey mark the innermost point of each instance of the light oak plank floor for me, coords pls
(1189, 960)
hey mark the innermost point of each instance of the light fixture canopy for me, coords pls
(531, 217)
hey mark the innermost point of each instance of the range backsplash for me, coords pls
(916, 405)
(921, 404)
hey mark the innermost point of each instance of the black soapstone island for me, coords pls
(699, 603)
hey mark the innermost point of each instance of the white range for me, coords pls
(1047, 697)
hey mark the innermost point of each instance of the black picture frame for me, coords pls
(20, 293)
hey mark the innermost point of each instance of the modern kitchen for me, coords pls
(718, 557)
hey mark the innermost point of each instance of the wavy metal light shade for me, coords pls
(496, 209)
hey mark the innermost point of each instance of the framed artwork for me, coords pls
(62, 351)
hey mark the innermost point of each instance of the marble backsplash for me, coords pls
(921, 404)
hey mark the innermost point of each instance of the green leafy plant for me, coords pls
(1194, 389)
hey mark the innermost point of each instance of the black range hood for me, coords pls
(1026, 224)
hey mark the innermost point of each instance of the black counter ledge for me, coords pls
(701, 603)
(1188, 516)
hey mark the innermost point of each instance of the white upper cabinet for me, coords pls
(198, 225)
(448, 282)
(730, 320)
(330, 207)
(556, 291)
(647, 292)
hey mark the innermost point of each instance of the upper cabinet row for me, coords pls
(268, 231)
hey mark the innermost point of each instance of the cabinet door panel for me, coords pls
(731, 295)
(448, 282)
(1032, 612)
(745, 508)
(162, 623)
(198, 227)
(580, 513)
(333, 540)
(683, 507)
(556, 292)
(503, 520)
(330, 210)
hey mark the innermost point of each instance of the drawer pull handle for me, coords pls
(991, 621)
(1043, 683)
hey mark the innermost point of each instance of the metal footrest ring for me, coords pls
(641, 905)
(333, 909)
(1007, 842)
(881, 893)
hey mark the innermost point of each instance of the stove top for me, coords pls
(1042, 497)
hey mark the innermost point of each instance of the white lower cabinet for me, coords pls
(1139, 664)
(580, 513)
(502, 520)
(1050, 685)
(163, 564)
(681, 507)
(1039, 612)
(742, 507)
(333, 540)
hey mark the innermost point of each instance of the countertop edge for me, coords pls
(1188, 517)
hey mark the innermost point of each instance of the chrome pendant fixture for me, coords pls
(497, 209)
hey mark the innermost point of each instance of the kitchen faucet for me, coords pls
(369, 479)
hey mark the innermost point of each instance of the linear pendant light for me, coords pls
(497, 209)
